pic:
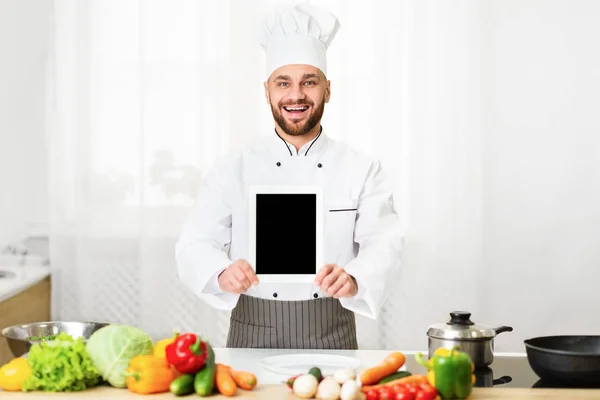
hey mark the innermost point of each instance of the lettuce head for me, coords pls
(112, 347)
(60, 365)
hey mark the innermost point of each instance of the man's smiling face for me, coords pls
(297, 95)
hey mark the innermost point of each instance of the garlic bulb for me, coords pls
(350, 390)
(305, 386)
(328, 389)
(343, 375)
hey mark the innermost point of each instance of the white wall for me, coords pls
(23, 194)
(504, 169)
(542, 168)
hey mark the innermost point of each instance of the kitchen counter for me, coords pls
(271, 387)
(20, 278)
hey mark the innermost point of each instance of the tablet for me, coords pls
(286, 232)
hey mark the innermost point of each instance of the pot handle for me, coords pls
(501, 381)
(501, 329)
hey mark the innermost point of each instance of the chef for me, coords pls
(362, 231)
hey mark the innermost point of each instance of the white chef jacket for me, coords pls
(366, 240)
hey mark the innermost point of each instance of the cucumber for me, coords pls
(182, 385)
(204, 382)
(316, 372)
(394, 376)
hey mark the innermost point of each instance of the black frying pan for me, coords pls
(565, 360)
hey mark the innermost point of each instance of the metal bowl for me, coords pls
(21, 337)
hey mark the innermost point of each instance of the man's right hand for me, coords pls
(237, 278)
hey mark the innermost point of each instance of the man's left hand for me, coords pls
(336, 282)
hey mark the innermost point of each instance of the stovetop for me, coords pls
(505, 371)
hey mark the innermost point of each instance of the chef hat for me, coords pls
(297, 34)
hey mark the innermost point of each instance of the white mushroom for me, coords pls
(350, 390)
(343, 375)
(328, 389)
(305, 386)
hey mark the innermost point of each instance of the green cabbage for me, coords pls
(113, 346)
(60, 365)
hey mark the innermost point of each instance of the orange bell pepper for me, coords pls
(148, 374)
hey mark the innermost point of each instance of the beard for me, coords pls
(298, 129)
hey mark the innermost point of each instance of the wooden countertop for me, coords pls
(282, 392)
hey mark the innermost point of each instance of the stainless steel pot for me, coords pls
(475, 340)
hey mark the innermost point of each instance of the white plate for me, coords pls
(295, 364)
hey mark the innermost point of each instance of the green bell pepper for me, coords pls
(452, 372)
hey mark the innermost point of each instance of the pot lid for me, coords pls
(460, 326)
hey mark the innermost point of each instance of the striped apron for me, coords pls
(308, 324)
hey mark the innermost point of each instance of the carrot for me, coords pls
(224, 381)
(403, 381)
(389, 365)
(397, 358)
(245, 380)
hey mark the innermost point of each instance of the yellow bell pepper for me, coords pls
(161, 346)
(13, 374)
(148, 374)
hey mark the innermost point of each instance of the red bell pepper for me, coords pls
(187, 353)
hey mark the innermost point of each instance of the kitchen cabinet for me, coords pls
(29, 305)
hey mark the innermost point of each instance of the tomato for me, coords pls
(426, 395)
(386, 393)
(406, 395)
(413, 388)
(373, 394)
(399, 387)
(428, 388)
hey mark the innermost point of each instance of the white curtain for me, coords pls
(144, 95)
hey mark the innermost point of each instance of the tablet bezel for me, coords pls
(285, 189)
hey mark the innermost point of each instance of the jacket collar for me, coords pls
(318, 145)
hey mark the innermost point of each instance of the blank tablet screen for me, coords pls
(286, 231)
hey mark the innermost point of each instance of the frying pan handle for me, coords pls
(502, 380)
(501, 329)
